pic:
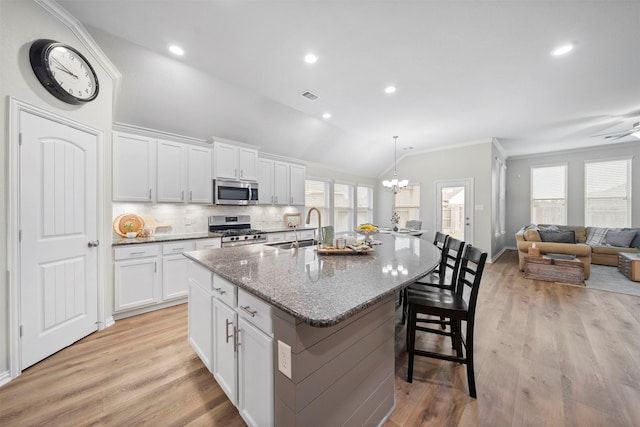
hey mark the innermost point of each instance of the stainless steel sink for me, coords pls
(291, 245)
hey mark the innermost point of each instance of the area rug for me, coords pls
(607, 278)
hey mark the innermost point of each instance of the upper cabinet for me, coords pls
(150, 170)
(134, 168)
(280, 183)
(235, 162)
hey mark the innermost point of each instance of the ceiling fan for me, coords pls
(612, 136)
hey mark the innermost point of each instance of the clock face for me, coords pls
(63, 71)
(72, 72)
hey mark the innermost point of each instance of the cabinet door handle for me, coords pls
(276, 199)
(227, 331)
(182, 195)
(155, 267)
(235, 172)
(236, 344)
(220, 291)
(271, 199)
(190, 195)
(149, 194)
(251, 313)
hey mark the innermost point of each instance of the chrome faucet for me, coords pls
(319, 222)
(295, 245)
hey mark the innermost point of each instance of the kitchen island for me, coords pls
(322, 327)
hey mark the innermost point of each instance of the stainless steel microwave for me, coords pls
(229, 192)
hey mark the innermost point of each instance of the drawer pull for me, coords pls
(137, 253)
(178, 249)
(220, 291)
(249, 312)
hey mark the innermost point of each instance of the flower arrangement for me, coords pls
(395, 218)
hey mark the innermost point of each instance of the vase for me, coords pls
(395, 228)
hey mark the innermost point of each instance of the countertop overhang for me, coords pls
(323, 290)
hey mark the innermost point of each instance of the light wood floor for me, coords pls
(547, 354)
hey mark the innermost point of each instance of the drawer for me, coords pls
(254, 310)
(306, 234)
(214, 243)
(224, 290)
(178, 247)
(200, 276)
(289, 236)
(136, 251)
(275, 237)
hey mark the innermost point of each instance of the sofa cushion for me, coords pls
(558, 236)
(620, 239)
(635, 243)
(596, 236)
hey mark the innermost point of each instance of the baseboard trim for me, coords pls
(5, 377)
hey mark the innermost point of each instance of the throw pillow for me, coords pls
(596, 236)
(568, 236)
(635, 243)
(621, 239)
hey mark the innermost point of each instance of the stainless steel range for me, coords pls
(236, 230)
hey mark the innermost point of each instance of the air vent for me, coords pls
(309, 95)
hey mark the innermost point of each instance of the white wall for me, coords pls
(519, 183)
(469, 161)
(21, 23)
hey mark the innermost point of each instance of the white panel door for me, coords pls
(199, 180)
(225, 364)
(171, 172)
(58, 221)
(255, 375)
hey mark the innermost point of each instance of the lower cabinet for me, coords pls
(200, 312)
(225, 338)
(255, 375)
(241, 356)
(136, 276)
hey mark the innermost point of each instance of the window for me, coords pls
(343, 207)
(365, 205)
(408, 204)
(608, 193)
(549, 194)
(316, 194)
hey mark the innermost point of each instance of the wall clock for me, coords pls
(63, 71)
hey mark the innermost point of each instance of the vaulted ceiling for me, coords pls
(464, 71)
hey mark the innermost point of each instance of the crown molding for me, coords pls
(58, 12)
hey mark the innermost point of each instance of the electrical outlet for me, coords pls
(284, 358)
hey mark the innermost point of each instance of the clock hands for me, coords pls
(65, 69)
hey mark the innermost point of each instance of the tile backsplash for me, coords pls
(178, 215)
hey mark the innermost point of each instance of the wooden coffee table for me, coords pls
(629, 265)
(551, 269)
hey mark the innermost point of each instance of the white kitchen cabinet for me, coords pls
(200, 312)
(281, 183)
(225, 338)
(171, 168)
(134, 168)
(235, 162)
(175, 269)
(296, 178)
(199, 176)
(247, 164)
(255, 375)
(136, 276)
(275, 237)
(213, 243)
(265, 182)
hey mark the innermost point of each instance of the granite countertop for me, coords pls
(323, 290)
(159, 238)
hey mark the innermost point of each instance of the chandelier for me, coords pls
(395, 185)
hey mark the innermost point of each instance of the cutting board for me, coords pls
(150, 222)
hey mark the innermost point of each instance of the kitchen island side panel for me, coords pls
(344, 373)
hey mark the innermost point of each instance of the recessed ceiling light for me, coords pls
(326, 116)
(562, 50)
(389, 89)
(176, 50)
(310, 58)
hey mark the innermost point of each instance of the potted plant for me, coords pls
(129, 227)
(395, 218)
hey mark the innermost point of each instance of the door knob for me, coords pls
(94, 243)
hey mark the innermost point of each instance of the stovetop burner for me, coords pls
(239, 232)
(235, 230)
